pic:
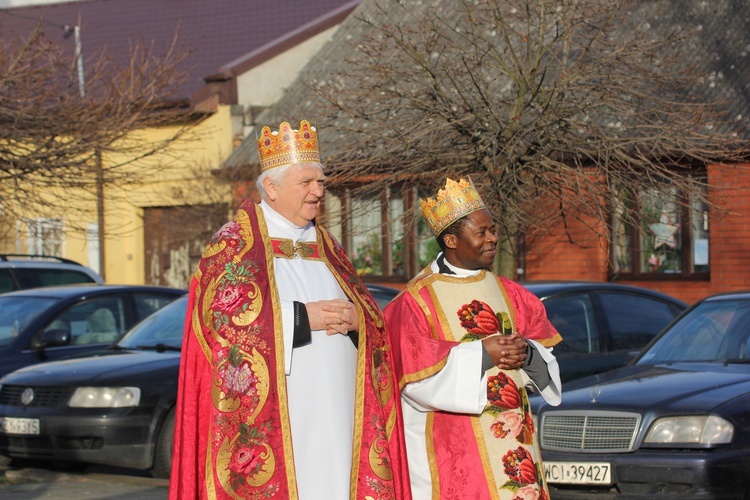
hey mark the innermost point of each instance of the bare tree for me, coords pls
(62, 137)
(554, 108)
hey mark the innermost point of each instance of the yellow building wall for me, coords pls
(180, 175)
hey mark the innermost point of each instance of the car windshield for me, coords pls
(160, 330)
(715, 331)
(16, 313)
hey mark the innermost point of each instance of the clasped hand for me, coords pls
(507, 351)
(333, 316)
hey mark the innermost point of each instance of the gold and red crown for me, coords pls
(455, 200)
(287, 146)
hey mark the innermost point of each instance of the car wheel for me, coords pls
(163, 455)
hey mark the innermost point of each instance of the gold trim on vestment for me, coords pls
(414, 290)
(209, 465)
(430, 445)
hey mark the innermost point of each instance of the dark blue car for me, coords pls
(114, 406)
(673, 424)
(45, 324)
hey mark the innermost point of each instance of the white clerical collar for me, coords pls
(280, 222)
(459, 272)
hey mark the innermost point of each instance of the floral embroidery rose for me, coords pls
(521, 427)
(519, 466)
(508, 422)
(246, 461)
(529, 493)
(477, 317)
(228, 299)
(238, 380)
(503, 392)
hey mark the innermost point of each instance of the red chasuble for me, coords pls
(232, 430)
(492, 455)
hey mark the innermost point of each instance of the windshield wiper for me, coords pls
(116, 347)
(158, 347)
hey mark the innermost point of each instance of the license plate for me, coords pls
(21, 425)
(578, 472)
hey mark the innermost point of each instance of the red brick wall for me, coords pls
(551, 256)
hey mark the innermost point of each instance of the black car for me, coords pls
(44, 324)
(113, 407)
(673, 424)
(601, 323)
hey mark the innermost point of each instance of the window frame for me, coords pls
(635, 231)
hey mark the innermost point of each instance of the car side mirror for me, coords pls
(51, 338)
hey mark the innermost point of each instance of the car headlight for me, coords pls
(105, 397)
(696, 429)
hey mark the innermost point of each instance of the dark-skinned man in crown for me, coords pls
(467, 344)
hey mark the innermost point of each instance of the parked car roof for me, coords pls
(78, 290)
(23, 271)
(543, 289)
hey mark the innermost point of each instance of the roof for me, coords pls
(68, 291)
(719, 52)
(547, 289)
(219, 34)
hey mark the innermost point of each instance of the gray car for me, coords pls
(22, 271)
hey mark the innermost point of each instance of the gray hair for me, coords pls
(278, 175)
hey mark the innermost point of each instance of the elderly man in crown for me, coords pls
(286, 386)
(466, 345)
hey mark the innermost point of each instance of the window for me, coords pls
(45, 236)
(147, 303)
(573, 317)
(664, 235)
(633, 320)
(38, 277)
(99, 320)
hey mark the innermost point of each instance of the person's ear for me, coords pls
(450, 240)
(270, 188)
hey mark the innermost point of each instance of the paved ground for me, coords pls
(28, 484)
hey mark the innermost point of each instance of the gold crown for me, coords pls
(455, 200)
(287, 146)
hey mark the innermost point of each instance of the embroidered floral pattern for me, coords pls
(478, 318)
(519, 466)
(518, 425)
(530, 493)
(502, 392)
(238, 380)
(228, 299)
(246, 461)
(248, 458)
